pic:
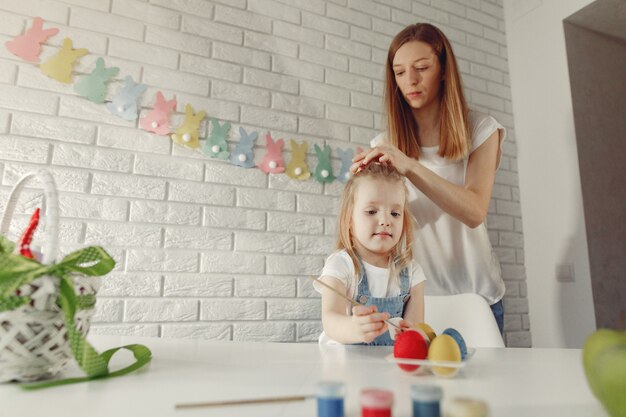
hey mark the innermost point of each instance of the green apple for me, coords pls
(604, 360)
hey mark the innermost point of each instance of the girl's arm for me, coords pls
(365, 324)
(468, 203)
(414, 310)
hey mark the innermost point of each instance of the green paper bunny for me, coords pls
(94, 85)
(324, 170)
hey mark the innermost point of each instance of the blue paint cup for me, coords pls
(330, 396)
(426, 400)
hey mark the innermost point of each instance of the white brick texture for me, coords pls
(206, 249)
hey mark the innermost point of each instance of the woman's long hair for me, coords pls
(402, 129)
(402, 253)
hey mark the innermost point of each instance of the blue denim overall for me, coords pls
(392, 305)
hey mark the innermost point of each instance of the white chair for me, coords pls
(468, 313)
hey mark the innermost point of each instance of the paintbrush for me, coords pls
(350, 300)
(244, 402)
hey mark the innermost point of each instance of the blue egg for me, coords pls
(458, 339)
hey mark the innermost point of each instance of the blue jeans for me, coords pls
(498, 313)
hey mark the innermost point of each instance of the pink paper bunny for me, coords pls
(28, 45)
(158, 120)
(272, 162)
(60, 65)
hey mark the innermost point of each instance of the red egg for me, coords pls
(410, 345)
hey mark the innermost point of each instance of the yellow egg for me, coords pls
(427, 329)
(444, 348)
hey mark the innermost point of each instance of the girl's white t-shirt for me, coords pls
(339, 266)
(456, 258)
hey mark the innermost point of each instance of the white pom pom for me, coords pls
(242, 157)
(347, 175)
(324, 174)
(154, 125)
(297, 171)
(273, 164)
(120, 109)
(186, 137)
(215, 149)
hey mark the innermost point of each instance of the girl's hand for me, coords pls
(369, 322)
(384, 153)
(400, 322)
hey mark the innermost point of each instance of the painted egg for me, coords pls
(458, 339)
(428, 330)
(445, 349)
(410, 345)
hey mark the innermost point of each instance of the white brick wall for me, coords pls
(205, 249)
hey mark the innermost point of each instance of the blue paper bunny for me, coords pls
(124, 104)
(243, 155)
(346, 162)
(94, 85)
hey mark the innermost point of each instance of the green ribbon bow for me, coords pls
(15, 271)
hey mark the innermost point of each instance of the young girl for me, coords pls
(449, 155)
(374, 261)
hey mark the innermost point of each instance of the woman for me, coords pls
(449, 155)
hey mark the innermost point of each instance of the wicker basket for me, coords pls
(33, 338)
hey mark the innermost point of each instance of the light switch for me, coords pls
(564, 272)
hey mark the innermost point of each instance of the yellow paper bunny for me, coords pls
(59, 66)
(297, 168)
(187, 133)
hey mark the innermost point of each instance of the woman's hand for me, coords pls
(369, 322)
(384, 153)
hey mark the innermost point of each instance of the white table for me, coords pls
(514, 382)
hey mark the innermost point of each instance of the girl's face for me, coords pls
(376, 224)
(418, 74)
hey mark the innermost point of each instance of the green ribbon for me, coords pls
(15, 271)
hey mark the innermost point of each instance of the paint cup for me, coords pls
(426, 400)
(466, 407)
(376, 402)
(330, 395)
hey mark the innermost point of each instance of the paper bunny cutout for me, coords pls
(323, 170)
(187, 133)
(243, 155)
(124, 104)
(28, 45)
(272, 162)
(346, 161)
(94, 85)
(216, 145)
(297, 167)
(158, 120)
(59, 66)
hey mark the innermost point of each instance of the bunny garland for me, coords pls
(28, 45)
(94, 85)
(59, 66)
(124, 104)
(243, 155)
(187, 134)
(272, 162)
(158, 120)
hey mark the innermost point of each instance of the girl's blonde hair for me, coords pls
(402, 253)
(402, 129)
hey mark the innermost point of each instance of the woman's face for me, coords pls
(418, 74)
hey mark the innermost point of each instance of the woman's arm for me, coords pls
(468, 203)
(365, 324)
